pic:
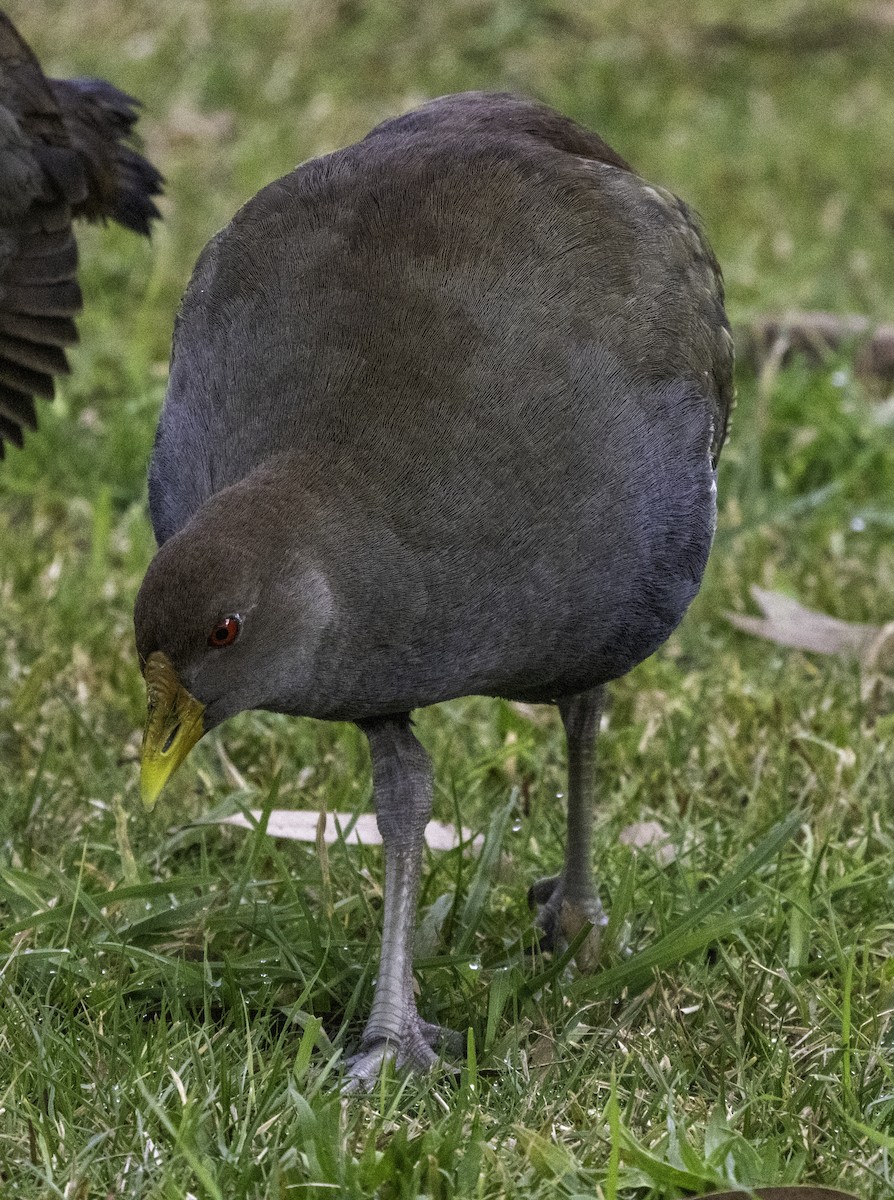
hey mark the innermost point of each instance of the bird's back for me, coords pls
(485, 327)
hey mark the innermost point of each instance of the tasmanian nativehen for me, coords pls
(64, 154)
(443, 418)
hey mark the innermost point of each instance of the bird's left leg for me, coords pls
(402, 787)
(568, 901)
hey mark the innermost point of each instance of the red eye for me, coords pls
(225, 631)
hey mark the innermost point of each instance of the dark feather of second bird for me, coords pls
(66, 154)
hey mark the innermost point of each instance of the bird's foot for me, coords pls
(560, 919)
(545, 895)
(414, 1050)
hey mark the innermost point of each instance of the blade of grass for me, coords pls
(691, 933)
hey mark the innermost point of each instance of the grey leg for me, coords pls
(568, 901)
(402, 787)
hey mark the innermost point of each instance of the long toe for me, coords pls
(560, 919)
(439, 1037)
(363, 1069)
(413, 1051)
(546, 896)
(542, 889)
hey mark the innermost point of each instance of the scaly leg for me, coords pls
(568, 901)
(402, 787)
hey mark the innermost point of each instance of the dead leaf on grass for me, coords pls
(300, 825)
(651, 836)
(787, 622)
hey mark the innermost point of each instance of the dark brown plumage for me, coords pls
(64, 155)
(443, 418)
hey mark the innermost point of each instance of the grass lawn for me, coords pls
(175, 996)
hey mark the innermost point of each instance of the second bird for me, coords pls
(65, 155)
(443, 418)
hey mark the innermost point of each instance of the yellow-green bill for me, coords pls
(173, 726)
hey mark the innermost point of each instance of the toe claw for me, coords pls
(364, 1068)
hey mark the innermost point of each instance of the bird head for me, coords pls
(228, 618)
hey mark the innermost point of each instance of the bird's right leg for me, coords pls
(402, 785)
(568, 901)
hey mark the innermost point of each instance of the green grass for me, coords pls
(173, 1024)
